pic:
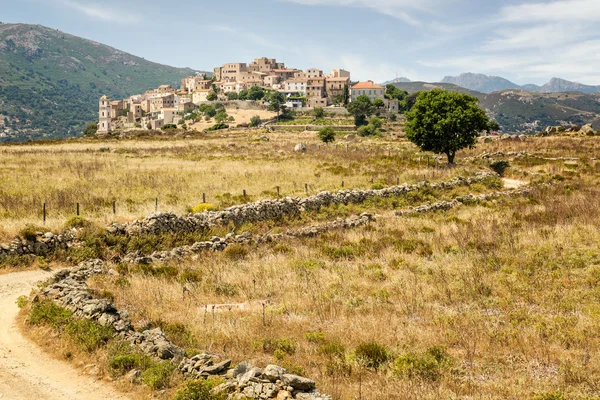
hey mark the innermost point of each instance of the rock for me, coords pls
(249, 375)
(350, 138)
(298, 382)
(273, 372)
(284, 395)
(587, 130)
(300, 148)
(134, 376)
(506, 136)
(263, 138)
(217, 368)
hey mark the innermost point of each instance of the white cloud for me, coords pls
(101, 12)
(567, 11)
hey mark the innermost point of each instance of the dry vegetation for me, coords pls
(498, 300)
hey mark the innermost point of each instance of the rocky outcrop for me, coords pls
(275, 209)
(68, 288)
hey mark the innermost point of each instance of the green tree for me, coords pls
(232, 96)
(276, 102)
(346, 95)
(493, 126)
(212, 96)
(318, 112)
(243, 95)
(327, 134)
(410, 100)
(445, 122)
(221, 116)
(360, 108)
(392, 92)
(90, 129)
(338, 100)
(378, 105)
(256, 93)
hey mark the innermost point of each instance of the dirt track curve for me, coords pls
(25, 371)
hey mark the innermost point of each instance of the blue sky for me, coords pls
(525, 41)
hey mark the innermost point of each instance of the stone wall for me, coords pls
(44, 244)
(68, 288)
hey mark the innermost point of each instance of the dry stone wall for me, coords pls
(44, 244)
(68, 288)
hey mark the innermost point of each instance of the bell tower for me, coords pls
(104, 120)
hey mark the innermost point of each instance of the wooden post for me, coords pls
(44, 213)
(244, 193)
(427, 161)
(342, 183)
(114, 207)
(372, 179)
(278, 189)
(156, 205)
(78, 209)
(306, 188)
(204, 197)
(397, 181)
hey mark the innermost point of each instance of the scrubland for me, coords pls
(493, 300)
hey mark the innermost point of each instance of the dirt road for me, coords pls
(25, 371)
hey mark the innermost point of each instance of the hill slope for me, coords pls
(50, 81)
(522, 111)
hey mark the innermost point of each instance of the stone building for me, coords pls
(104, 115)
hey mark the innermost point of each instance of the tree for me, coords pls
(338, 100)
(212, 96)
(378, 105)
(318, 112)
(243, 95)
(90, 129)
(254, 121)
(221, 116)
(360, 108)
(346, 95)
(445, 122)
(392, 92)
(493, 126)
(256, 93)
(232, 96)
(327, 134)
(410, 100)
(276, 102)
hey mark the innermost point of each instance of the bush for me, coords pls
(200, 208)
(327, 135)
(500, 167)
(200, 390)
(270, 345)
(22, 301)
(89, 335)
(76, 222)
(376, 123)
(28, 234)
(332, 350)
(217, 127)
(372, 355)
(254, 121)
(168, 126)
(46, 312)
(366, 130)
(158, 376)
(236, 252)
(122, 358)
(318, 112)
(426, 366)
(315, 337)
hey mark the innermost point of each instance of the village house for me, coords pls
(116, 108)
(200, 96)
(369, 89)
(336, 86)
(159, 102)
(313, 73)
(295, 85)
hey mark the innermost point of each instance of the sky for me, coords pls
(524, 41)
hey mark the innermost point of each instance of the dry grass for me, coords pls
(504, 294)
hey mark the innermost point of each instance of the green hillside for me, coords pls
(521, 111)
(50, 82)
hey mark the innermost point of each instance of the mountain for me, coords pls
(561, 85)
(396, 80)
(50, 81)
(481, 83)
(518, 110)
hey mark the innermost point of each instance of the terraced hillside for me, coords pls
(384, 274)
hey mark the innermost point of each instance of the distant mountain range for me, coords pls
(50, 81)
(488, 84)
(518, 110)
(397, 80)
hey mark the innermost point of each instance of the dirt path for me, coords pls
(25, 371)
(513, 183)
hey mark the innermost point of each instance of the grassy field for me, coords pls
(494, 300)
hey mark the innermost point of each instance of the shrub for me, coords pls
(46, 312)
(217, 127)
(376, 123)
(76, 222)
(89, 335)
(254, 121)
(122, 358)
(158, 376)
(200, 208)
(235, 252)
(426, 366)
(327, 134)
(270, 345)
(200, 390)
(318, 112)
(168, 126)
(22, 301)
(315, 337)
(190, 275)
(332, 349)
(371, 355)
(28, 234)
(499, 167)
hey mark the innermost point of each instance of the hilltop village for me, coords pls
(243, 82)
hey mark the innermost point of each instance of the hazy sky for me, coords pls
(525, 41)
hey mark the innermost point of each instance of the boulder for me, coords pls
(298, 382)
(273, 372)
(587, 130)
(300, 148)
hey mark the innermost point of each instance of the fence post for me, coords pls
(306, 188)
(156, 204)
(427, 161)
(342, 183)
(397, 181)
(78, 209)
(114, 207)
(203, 197)
(244, 193)
(278, 188)
(44, 213)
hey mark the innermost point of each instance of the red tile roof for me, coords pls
(366, 85)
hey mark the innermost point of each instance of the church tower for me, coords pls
(104, 120)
